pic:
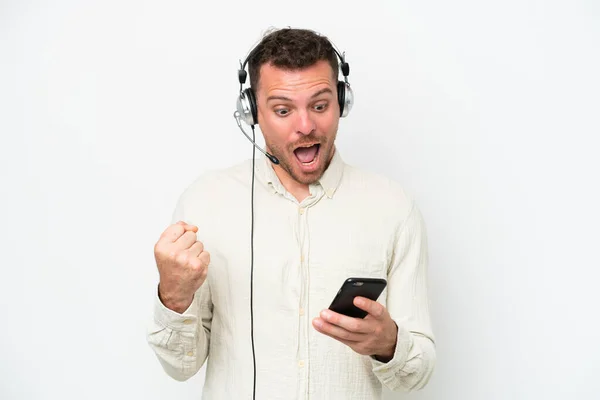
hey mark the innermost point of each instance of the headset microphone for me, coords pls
(237, 117)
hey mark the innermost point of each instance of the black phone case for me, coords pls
(343, 303)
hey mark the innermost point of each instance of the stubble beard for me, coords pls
(287, 161)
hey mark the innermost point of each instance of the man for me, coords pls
(315, 221)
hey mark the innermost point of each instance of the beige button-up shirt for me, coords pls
(354, 224)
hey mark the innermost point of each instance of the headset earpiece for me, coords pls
(253, 107)
(246, 102)
(246, 107)
(345, 94)
(345, 98)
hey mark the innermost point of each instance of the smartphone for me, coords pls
(343, 303)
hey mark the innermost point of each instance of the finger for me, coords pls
(172, 233)
(357, 325)
(186, 240)
(337, 332)
(197, 264)
(374, 308)
(356, 345)
(196, 249)
(188, 226)
(205, 257)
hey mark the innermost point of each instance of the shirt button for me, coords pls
(301, 363)
(302, 210)
(301, 311)
(190, 353)
(302, 258)
(187, 321)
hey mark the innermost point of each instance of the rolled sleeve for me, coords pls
(184, 322)
(181, 341)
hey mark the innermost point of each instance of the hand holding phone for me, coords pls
(343, 303)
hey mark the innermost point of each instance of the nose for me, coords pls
(305, 123)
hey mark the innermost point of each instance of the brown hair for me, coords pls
(293, 49)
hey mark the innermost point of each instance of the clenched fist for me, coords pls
(182, 265)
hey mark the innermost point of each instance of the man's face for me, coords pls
(298, 115)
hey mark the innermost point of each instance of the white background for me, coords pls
(487, 112)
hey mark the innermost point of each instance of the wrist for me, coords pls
(387, 353)
(173, 302)
(385, 356)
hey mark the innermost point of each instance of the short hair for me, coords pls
(292, 49)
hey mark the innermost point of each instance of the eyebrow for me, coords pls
(320, 92)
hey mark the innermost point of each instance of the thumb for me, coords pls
(188, 227)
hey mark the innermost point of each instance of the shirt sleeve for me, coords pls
(181, 341)
(407, 302)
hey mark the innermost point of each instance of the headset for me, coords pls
(247, 111)
(246, 107)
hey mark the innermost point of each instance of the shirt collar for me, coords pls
(329, 182)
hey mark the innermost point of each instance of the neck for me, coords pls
(299, 190)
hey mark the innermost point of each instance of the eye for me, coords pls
(282, 112)
(321, 107)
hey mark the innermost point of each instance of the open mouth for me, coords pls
(307, 155)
